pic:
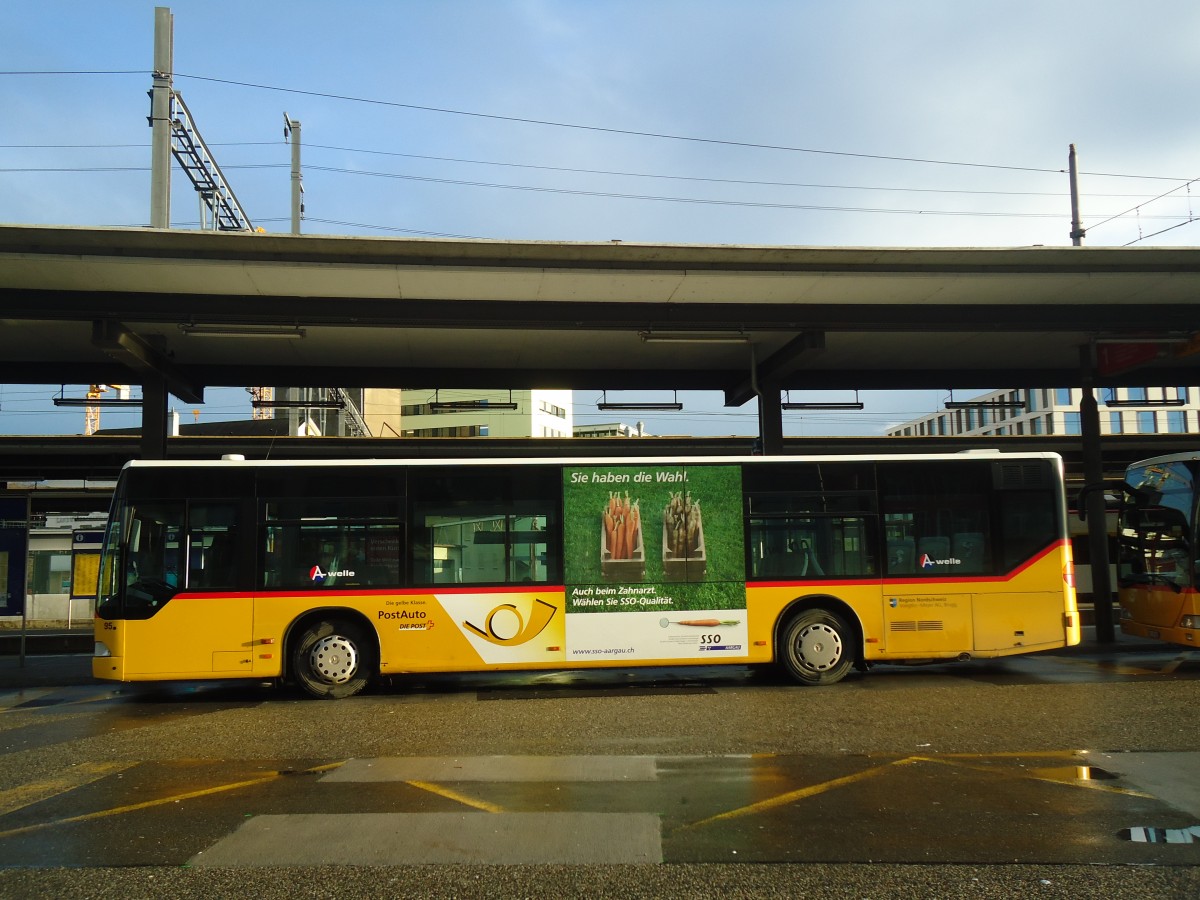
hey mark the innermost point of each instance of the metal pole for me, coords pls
(292, 129)
(1077, 231)
(160, 119)
(26, 594)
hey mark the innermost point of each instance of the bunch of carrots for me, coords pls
(682, 518)
(622, 519)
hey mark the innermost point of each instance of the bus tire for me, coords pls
(333, 659)
(815, 648)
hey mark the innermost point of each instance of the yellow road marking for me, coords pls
(456, 796)
(802, 793)
(162, 801)
(950, 759)
(1032, 775)
(77, 776)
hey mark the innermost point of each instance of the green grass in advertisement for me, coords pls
(654, 537)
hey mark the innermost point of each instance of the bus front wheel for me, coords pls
(816, 649)
(333, 659)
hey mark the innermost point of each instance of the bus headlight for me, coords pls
(1190, 621)
(101, 649)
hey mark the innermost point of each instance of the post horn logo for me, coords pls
(499, 631)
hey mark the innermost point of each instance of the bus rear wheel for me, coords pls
(815, 648)
(333, 659)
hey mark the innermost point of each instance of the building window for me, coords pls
(1116, 424)
(1176, 421)
(1107, 396)
(49, 572)
(1062, 396)
(1146, 421)
(1031, 401)
(1071, 423)
(1137, 394)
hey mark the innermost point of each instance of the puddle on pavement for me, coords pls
(1142, 835)
(1073, 774)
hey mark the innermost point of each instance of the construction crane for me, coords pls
(91, 412)
(260, 395)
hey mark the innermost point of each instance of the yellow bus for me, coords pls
(1156, 550)
(329, 574)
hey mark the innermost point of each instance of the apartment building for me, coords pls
(1035, 411)
(391, 412)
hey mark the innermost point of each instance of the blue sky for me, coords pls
(805, 123)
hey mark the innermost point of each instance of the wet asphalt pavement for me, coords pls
(1021, 777)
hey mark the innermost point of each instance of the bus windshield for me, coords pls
(139, 567)
(1156, 539)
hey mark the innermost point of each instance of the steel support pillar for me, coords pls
(1093, 474)
(154, 418)
(770, 421)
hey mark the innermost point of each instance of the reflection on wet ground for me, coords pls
(925, 806)
(951, 808)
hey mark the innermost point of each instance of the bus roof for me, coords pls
(1189, 456)
(591, 460)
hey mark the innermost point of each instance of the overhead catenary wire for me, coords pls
(1140, 205)
(646, 134)
(582, 171)
(351, 98)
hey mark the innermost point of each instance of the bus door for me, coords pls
(182, 565)
(935, 521)
(922, 615)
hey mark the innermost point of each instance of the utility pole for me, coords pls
(160, 118)
(291, 131)
(1077, 230)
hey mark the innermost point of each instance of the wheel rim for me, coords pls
(333, 659)
(818, 647)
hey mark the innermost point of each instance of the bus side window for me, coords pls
(811, 547)
(968, 548)
(212, 546)
(494, 527)
(934, 553)
(212, 560)
(902, 556)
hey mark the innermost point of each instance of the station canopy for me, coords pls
(86, 305)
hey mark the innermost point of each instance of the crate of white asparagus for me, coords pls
(683, 553)
(622, 551)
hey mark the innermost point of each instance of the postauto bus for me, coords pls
(1157, 549)
(330, 574)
